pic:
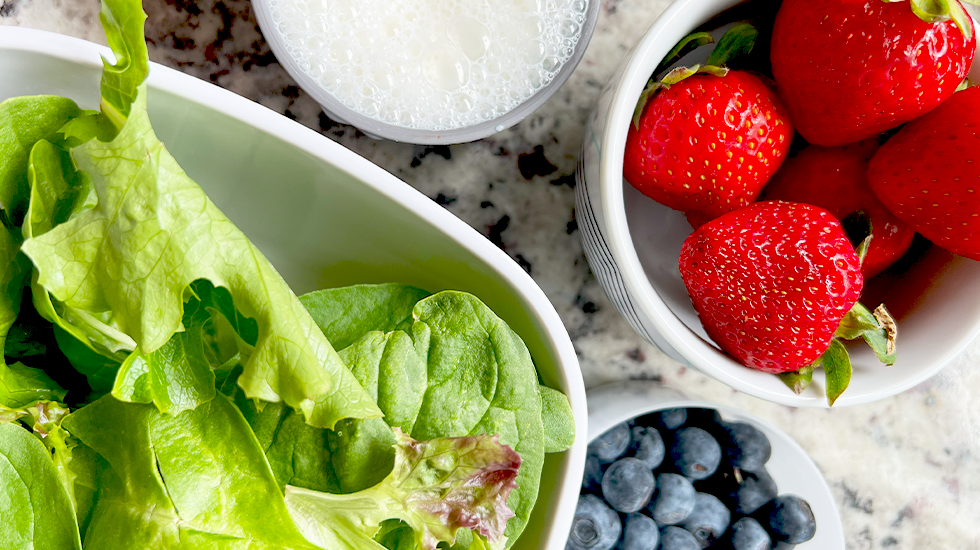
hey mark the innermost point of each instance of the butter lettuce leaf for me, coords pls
(196, 480)
(37, 512)
(21, 385)
(153, 233)
(23, 122)
(125, 263)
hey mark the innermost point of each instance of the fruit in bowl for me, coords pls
(775, 285)
(705, 493)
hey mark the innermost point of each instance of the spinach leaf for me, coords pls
(201, 473)
(297, 452)
(556, 416)
(348, 313)
(153, 232)
(37, 512)
(392, 369)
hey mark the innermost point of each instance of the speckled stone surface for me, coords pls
(905, 471)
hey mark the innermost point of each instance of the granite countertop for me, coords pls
(905, 471)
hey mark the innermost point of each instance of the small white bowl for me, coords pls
(633, 244)
(789, 465)
(326, 217)
(379, 129)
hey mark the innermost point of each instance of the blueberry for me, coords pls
(611, 445)
(640, 533)
(674, 499)
(746, 446)
(669, 419)
(695, 454)
(593, 474)
(748, 534)
(675, 538)
(647, 446)
(790, 519)
(709, 519)
(595, 526)
(628, 484)
(756, 489)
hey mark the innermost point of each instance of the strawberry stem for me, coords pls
(934, 11)
(687, 45)
(738, 40)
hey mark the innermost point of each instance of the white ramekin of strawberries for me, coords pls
(786, 195)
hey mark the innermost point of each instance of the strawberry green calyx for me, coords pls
(738, 40)
(877, 328)
(798, 380)
(934, 11)
(687, 45)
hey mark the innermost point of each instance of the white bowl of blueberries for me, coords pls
(665, 472)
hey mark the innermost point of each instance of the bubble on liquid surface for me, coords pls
(430, 64)
(445, 66)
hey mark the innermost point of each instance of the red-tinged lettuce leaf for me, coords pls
(437, 487)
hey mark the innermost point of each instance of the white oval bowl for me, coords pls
(633, 244)
(789, 465)
(326, 217)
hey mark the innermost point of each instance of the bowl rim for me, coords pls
(553, 336)
(633, 398)
(382, 130)
(702, 355)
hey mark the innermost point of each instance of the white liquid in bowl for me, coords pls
(430, 64)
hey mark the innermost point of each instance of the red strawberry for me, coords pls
(928, 174)
(709, 138)
(851, 69)
(836, 179)
(772, 283)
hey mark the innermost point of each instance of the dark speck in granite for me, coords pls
(495, 232)
(7, 7)
(852, 500)
(565, 179)
(535, 163)
(571, 226)
(888, 542)
(422, 151)
(443, 200)
(521, 261)
(486, 204)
